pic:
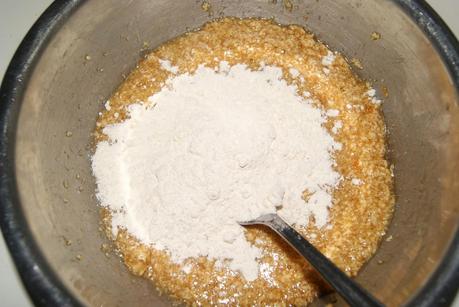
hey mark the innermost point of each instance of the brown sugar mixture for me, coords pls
(362, 207)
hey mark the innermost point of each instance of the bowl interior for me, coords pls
(66, 91)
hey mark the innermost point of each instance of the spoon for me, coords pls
(351, 292)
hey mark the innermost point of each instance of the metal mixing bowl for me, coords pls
(51, 94)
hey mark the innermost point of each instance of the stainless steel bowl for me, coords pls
(51, 95)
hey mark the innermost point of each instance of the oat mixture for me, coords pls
(362, 204)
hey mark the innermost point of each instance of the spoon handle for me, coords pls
(344, 285)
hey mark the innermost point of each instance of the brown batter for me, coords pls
(360, 213)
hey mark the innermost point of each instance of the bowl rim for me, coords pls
(42, 283)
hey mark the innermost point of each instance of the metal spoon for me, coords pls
(351, 292)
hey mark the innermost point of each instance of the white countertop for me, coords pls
(16, 17)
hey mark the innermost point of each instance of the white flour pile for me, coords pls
(217, 147)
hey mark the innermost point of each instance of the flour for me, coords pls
(294, 72)
(337, 126)
(332, 112)
(371, 94)
(167, 65)
(211, 149)
(328, 59)
(107, 105)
